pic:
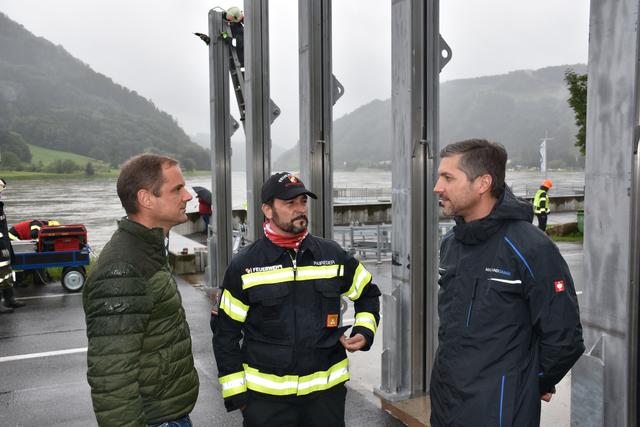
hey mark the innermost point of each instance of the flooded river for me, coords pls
(94, 202)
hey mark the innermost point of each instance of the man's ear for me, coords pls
(485, 182)
(144, 199)
(267, 211)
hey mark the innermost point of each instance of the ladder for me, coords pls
(235, 69)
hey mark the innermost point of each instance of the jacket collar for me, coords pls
(508, 207)
(272, 252)
(153, 236)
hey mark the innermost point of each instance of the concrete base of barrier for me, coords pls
(412, 412)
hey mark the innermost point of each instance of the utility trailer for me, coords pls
(56, 246)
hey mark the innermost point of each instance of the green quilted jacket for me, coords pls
(140, 364)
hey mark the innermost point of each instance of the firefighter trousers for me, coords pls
(319, 409)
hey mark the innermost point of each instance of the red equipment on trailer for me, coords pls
(57, 246)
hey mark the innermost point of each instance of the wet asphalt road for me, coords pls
(52, 390)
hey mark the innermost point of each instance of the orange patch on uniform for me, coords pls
(332, 320)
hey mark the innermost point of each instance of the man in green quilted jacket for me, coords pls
(140, 363)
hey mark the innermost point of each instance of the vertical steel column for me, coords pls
(410, 312)
(258, 109)
(603, 381)
(633, 400)
(316, 110)
(219, 239)
(634, 268)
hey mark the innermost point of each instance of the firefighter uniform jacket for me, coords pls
(285, 307)
(509, 321)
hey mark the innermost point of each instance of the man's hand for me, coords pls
(354, 343)
(546, 397)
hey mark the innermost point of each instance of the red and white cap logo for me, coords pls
(558, 285)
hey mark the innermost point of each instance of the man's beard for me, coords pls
(289, 227)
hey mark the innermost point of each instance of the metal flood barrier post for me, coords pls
(410, 312)
(604, 381)
(260, 111)
(219, 236)
(319, 90)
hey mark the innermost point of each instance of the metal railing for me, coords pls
(383, 194)
(361, 240)
(529, 190)
(361, 194)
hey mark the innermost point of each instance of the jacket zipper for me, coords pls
(294, 258)
(473, 297)
(294, 262)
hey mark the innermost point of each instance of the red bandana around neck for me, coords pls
(289, 242)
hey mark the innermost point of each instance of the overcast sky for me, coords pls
(148, 46)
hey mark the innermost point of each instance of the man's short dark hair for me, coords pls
(480, 157)
(143, 171)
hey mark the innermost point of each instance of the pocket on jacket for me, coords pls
(268, 355)
(269, 300)
(330, 315)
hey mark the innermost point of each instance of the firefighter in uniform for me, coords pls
(27, 230)
(541, 204)
(6, 255)
(278, 340)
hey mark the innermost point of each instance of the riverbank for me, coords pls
(113, 173)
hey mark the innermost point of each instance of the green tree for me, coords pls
(577, 85)
(10, 161)
(88, 170)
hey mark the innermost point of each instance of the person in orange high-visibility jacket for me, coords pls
(278, 339)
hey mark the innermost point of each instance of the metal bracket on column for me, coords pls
(233, 125)
(445, 53)
(337, 90)
(275, 110)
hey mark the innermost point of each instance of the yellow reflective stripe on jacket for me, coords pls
(319, 272)
(250, 280)
(366, 320)
(234, 308)
(233, 384)
(324, 380)
(293, 384)
(361, 278)
(12, 237)
(35, 227)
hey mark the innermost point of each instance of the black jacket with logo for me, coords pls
(278, 327)
(509, 321)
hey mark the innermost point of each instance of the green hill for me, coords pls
(515, 109)
(50, 99)
(46, 156)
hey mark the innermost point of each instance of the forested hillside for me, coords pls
(515, 109)
(51, 99)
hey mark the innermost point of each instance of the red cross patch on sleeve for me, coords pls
(558, 285)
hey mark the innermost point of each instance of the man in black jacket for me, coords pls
(281, 298)
(509, 321)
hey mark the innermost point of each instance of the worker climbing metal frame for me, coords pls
(410, 310)
(257, 112)
(319, 91)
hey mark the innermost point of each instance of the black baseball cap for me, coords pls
(283, 186)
